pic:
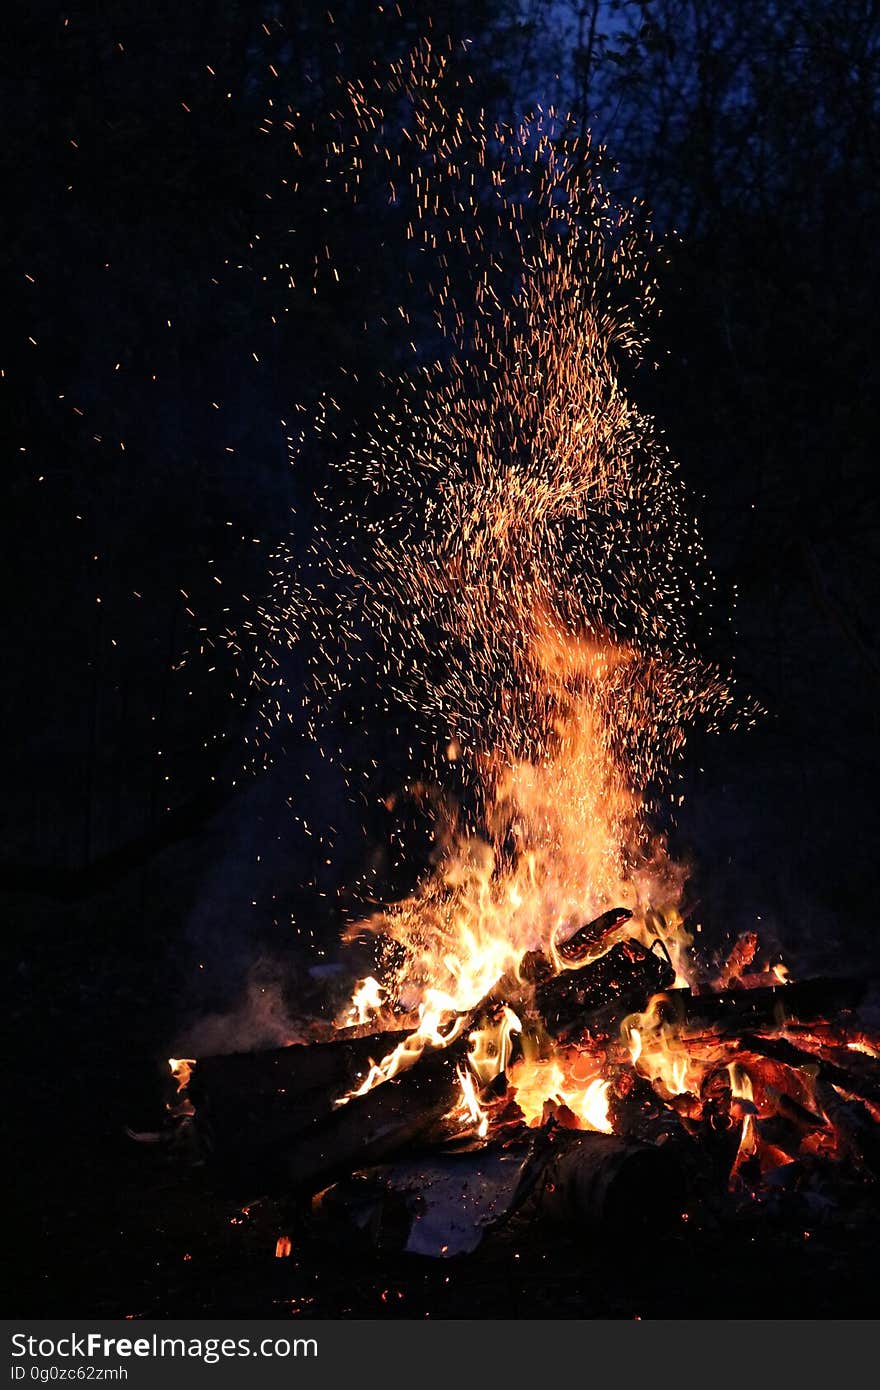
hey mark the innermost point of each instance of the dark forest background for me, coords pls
(161, 231)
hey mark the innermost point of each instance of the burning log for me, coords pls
(792, 1112)
(536, 966)
(280, 1111)
(635, 1109)
(586, 939)
(854, 1126)
(739, 960)
(728, 1012)
(302, 1118)
(251, 1104)
(371, 1128)
(292, 1070)
(620, 982)
(277, 1117)
(781, 1050)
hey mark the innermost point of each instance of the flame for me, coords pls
(366, 1001)
(741, 1089)
(659, 1051)
(513, 536)
(428, 1034)
(562, 840)
(538, 1083)
(593, 1106)
(469, 1109)
(181, 1070)
(506, 555)
(491, 1047)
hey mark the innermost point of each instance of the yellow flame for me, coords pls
(429, 1033)
(658, 1050)
(491, 1046)
(181, 1070)
(741, 1089)
(562, 842)
(537, 1082)
(366, 1001)
(469, 1107)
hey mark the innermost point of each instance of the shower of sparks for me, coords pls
(507, 551)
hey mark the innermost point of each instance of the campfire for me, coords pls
(590, 1087)
(509, 559)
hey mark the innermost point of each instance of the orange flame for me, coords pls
(181, 1070)
(742, 1090)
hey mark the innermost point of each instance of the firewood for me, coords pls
(536, 966)
(795, 1113)
(276, 1118)
(371, 1128)
(740, 958)
(250, 1104)
(618, 983)
(601, 1181)
(854, 1126)
(781, 1050)
(635, 1109)
(586, 939)
(728, 1012)
(263, 1100)
(289, 1070)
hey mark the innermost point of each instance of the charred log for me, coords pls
(588, 938)
(854, 1126)
(374, 1127)
(536, 966)
(249, 1105)
(620, 982)
(288, 1070)
(739, 960)
(276, 1117)
(729, 1012)
(635, 1109)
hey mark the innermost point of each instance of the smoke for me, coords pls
(260, 1019)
